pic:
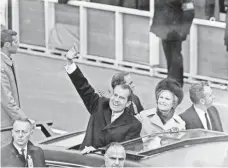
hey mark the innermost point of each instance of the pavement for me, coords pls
(47, 93)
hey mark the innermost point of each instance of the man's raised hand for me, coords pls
(72, 53)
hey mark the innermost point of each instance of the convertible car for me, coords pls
(190, 148)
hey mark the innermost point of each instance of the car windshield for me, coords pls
(158, 140)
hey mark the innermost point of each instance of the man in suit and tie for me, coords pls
(10, 103)
(171, 23)
(21, 152)
(109, 120)
(202, 114)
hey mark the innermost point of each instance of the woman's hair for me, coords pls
(173, 86)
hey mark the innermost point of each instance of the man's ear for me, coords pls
(7, 44)
(202, 101)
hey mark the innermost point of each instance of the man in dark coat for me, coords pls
(202, 114)
(21, 152)
(172, 21)
(109, 121)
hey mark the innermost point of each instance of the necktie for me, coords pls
(208, 123)
(23, 153)
(13, 69)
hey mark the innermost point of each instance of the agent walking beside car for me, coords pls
(10, 103)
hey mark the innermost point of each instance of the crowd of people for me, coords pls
(119, 116)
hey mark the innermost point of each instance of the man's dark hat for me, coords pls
(172, 85)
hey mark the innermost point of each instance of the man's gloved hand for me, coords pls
(88, 149)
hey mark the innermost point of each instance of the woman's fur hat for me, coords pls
(172, 85)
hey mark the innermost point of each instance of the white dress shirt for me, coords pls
(19, 149)
(115, 116)
(202, 117)
(70, 68)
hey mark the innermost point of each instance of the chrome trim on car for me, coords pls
(60, 163)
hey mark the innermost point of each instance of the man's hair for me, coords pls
(196, 91)
(126, 87)
(113, 145)
(23, 120)
(118, 79)
(7, 36)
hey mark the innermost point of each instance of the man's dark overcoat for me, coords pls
(100, 131)
(10, 157)
(193, 121)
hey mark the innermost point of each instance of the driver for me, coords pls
(109, 121)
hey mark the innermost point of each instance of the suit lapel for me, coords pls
(17, 155)
(215, 119)
(30, 152)
(6, 59)
(107, 116)
(9, 62)
(195, 118)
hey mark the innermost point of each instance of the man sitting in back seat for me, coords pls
(109, 120)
